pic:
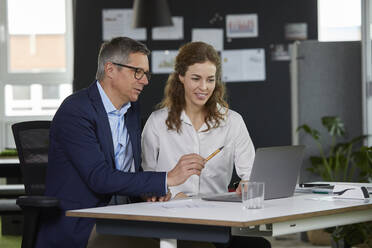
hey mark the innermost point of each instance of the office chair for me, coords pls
(10, 212)
(32, 143)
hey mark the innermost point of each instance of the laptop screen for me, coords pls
(278, 167)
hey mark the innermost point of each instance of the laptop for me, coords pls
(278, 167)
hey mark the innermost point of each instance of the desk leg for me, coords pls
(168, 243)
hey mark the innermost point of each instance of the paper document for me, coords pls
(118, 22)
(187, 203)
(243, 65)
(163, 61)
(174, 32)
(211, 36)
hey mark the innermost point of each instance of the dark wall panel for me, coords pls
(265, 106)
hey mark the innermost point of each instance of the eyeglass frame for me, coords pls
(136, 71)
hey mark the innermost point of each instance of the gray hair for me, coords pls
(118, 50)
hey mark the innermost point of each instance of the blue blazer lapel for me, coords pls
(133, 126)
(104, 133)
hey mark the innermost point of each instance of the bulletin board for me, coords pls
(262, 99)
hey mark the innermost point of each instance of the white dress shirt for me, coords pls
(162, 148)
(123, 152)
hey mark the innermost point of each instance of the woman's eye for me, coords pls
(195, 79)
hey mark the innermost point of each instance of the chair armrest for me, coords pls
(37, 201)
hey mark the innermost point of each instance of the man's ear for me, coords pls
(109, 69)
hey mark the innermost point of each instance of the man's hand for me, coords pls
(188, 165)
(167, 197)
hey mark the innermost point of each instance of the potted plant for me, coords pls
(348, 161)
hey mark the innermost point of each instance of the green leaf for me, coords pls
(334, 125)
(313, 132)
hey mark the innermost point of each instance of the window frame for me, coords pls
(328, 39)
(43, 78)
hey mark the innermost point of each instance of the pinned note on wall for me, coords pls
(119, 22)
(243, 65)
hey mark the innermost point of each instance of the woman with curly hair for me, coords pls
(194, 120)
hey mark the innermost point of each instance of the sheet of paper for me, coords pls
(243, 65)
(212, 36)
(242, 26)
(118, 22)
(335, 199)
(174, 32)
(187, 203)
(328, 198)
(163, 61)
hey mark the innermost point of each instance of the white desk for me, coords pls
(213, 221)
(9, 160)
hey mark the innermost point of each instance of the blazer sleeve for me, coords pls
(76, 131)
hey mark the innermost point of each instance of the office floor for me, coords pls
(285, 241)
(9, 241)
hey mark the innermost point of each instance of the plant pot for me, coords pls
(319, 237)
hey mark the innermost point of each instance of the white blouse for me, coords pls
(162, 148)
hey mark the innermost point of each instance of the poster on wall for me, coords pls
(118, 22)
(212, 36)
(243, 65)
(295, 31)
(163, 61)
(242, 26)
(280, 52)
(174, 32)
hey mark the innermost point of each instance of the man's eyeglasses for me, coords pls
(138, 72)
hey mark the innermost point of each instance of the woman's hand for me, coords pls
(239, 188)
(180, 195)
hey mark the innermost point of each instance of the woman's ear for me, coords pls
(181, 78)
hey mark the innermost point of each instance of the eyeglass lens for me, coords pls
(140, 72)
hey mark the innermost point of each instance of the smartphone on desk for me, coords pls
(317, 188)
(307, 185)
(322, 190)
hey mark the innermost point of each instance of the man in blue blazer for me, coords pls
(95, 150)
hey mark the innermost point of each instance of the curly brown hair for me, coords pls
(174, 92)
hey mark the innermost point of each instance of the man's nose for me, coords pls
(144, 80)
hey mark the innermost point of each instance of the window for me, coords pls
(37, 56)
(339, 20)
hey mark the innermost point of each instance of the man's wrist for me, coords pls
(169, 181)
(167, 190)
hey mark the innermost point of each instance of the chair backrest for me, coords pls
(32, 142)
